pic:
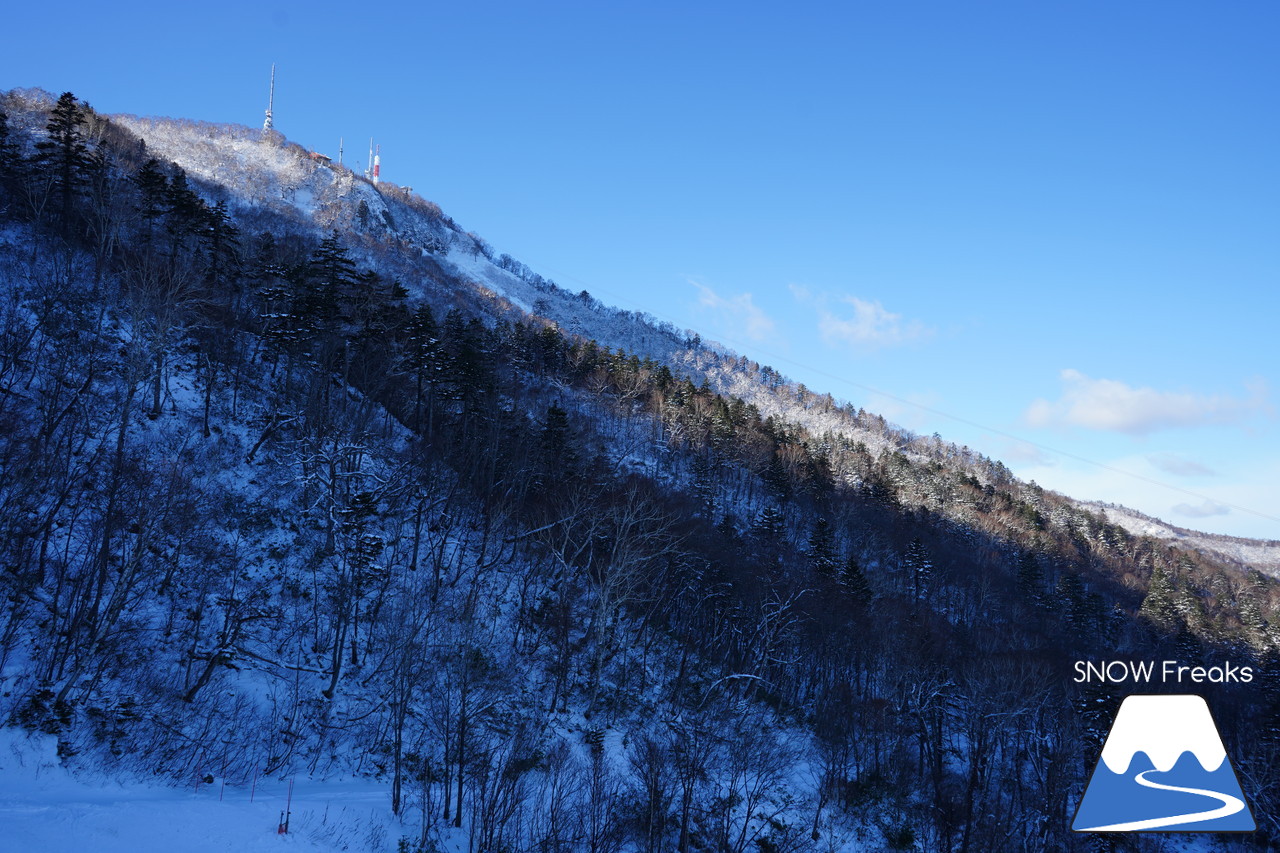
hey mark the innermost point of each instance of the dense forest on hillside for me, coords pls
(299, 500)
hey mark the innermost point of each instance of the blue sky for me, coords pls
(1055, 222)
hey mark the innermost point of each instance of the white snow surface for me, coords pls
(1263, 555)
(1164, 727)
(46, 807)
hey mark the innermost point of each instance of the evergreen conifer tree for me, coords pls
(329, 273)
(818, 479)
(422, 356)
(776, 478)
(1071, 597)
(918, 567)
(1030, 576)
(769, 524)
(855, 582)
(221, 240)
(466, 364)
(9, 166)
(822, 551)
(1158, 606)
(185, 214)
(1187, 648)
(728, 528)
(65, 157)
(152, 189)
(704, 483)
(558, 455)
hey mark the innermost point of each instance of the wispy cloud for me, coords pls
(1204, 510)
(1171, 463)
(1109, 404)
(738, 313)
(859, 323)
(1025, 453)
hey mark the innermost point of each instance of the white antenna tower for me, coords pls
(271, 100)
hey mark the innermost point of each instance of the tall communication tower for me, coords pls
(374, 163)
(271, 99)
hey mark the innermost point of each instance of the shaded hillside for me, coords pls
(298, 477)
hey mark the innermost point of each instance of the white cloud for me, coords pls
(868, 326)
(1108, 404)
(1171, 463)
(739, 313)
(1025, 453)
(1204, 510)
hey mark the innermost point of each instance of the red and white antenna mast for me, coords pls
(271, 99)
(377, 163)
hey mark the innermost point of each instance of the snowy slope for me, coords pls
(1254, 553)
(261, 168)
(45, 806)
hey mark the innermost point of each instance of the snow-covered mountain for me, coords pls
(302, 481)
(260, 169)
(1263, 555)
